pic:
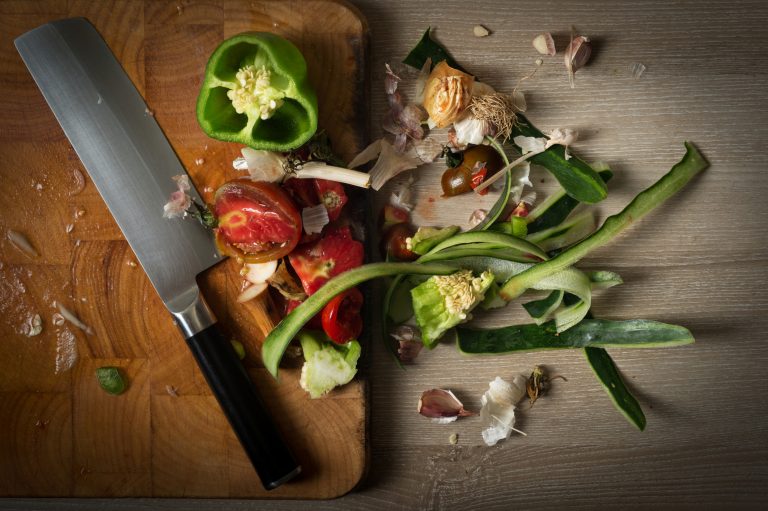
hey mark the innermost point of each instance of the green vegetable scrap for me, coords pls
(442, 302)
(256, 92)
(327, 365)
(428, 48)
(646, 201)
(633, 333)
(111, 380)
(427, 238)
(606, 371)
(579, 180)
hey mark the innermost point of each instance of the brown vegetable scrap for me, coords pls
(539, 382)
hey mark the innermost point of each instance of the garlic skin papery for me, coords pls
(497, 416)
(544, 44)
(441, 406)
(577, 55)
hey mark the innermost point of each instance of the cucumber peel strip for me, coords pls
(646, 201)
(282, 335)
(623, 400)
(633, 333)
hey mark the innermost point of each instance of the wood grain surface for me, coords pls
(699, 261)
(62, 435)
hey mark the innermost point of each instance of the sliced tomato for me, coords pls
(302, 191)
(316, 263)
(342, 320)
(332, 196)
(257, 221)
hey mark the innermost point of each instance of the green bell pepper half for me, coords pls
(255, 92)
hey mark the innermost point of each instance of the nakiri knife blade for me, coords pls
(132, 164)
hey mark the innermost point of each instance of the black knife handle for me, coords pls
(243, 407)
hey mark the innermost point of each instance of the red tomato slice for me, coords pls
(316, 263)
(302, 191)
(342, 320)
(332, 196)
(257, 221)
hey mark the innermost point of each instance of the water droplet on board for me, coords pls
(78, 182)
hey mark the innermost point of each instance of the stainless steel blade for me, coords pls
(124, 151)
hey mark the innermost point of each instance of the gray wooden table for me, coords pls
(698, 261)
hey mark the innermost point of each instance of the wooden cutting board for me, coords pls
(62, 435)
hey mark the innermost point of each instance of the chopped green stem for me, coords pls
(503, 240)
(501, 202)
(691, 164)
(277, 340)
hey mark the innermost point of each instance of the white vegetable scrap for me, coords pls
(66, 351)
(316, 169)
(391, 163)
(314, 218)
(544, 44)
(180, 201)
(477, 216)
(403, 195)
(637, 69)
(480, 31)
(497, 415)
(32, 326)
(530, 144)
(72, 318)
(471, 130)
(251, 292)
(256, 273)
(564, 137)
(261, 165)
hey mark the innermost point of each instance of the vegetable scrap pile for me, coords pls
(288, 225)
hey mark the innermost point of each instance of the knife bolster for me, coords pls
(194, 317)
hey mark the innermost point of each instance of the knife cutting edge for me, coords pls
(131, 163)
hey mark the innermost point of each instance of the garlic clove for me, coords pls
(544, 44)
(442, 405)
(480, 31)
(577, 55)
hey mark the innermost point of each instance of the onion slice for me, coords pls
(256, 273)
(251, 292)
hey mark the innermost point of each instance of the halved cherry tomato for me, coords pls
(332, 196)
(257, 221)
(316, 263)
(394, 246)
(342, 321)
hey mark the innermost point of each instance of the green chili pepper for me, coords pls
(256, 93)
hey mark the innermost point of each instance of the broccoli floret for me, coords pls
(327, 365)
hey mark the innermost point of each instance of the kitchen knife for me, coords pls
(132, 164)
